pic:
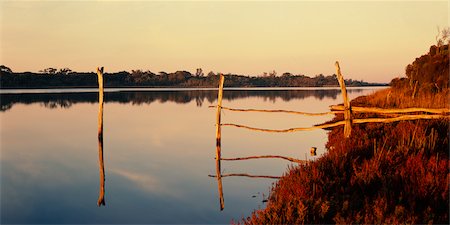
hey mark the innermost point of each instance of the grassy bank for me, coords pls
(383, 173)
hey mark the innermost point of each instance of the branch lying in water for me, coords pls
(279, 111)
(381, 110)
(245, 175)
(323, 126)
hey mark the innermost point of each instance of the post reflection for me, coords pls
(101, 197)
(219, 184)
(219, 177)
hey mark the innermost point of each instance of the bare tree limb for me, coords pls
(381, 110)
(328, 125)
(278, 111)
(246, 175)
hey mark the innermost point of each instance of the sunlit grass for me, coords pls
(383, 173)
(394, 98)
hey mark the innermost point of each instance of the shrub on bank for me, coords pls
(383, 173)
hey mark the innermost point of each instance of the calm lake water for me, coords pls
(159, 148)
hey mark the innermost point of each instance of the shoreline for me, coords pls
(378, 175)
(137, 89)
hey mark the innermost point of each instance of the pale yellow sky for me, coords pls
(373, 41)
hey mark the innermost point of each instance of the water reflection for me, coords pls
(66, 100)
(219, 184)
(48, 163)
(219, 176)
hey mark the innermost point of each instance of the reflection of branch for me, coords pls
(101, 197)
(265, 157)
(285, 130)
(279, 111)
(245, 175)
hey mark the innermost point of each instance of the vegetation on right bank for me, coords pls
(384, 173)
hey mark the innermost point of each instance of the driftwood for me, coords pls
(389, 111)
(218, 141)
(328, 125)
(265, 157)
(347, 107)
(246, 175)
(337, 109)
(279, 111)
(101, 197)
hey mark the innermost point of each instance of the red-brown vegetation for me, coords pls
(384, 173)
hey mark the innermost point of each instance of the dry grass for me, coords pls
(393, 98)
(383, 173)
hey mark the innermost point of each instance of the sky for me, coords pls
(372, 40)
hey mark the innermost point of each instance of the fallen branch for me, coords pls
(245, 175)
(279, 111)
(323, 126)
(381, 110)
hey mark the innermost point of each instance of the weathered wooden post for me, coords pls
(347, 107)
(313, 151)
(218, 141)
(101, 197)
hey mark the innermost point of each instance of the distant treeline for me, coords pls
(54, 78)
(66, 100)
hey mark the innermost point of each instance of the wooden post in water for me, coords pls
(347, 107)
(101, 197)
(218, 141)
